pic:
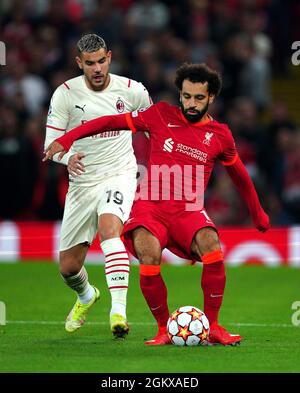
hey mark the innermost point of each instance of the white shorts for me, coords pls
(84, 205)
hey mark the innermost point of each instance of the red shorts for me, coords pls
(169, 222)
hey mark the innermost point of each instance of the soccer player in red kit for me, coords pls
(180, 137)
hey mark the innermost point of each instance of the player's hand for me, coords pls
(75, 165)
(263, 223)
(52, 149)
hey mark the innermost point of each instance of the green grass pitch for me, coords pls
(257, 304)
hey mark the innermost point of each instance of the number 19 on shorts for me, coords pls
(116, 197)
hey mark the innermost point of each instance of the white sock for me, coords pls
(88, 295)
(118, 308)
(117, 273)
(80, 284)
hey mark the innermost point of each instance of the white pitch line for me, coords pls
(62, 323)
(279, 325)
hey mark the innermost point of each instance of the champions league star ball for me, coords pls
(188, 326)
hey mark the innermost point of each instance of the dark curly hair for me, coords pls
(199, 73)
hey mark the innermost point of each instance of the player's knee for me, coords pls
(207, 240)
(110, 226)
(148, 259)
(108, 233)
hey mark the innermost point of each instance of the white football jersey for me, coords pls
(73, 103)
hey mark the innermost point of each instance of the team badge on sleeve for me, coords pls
(136, 113)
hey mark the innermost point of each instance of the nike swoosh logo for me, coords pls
(211, 295)
(173, 125)
(155, 308)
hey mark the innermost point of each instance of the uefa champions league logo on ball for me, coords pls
(2, 53)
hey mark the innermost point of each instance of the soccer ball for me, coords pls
(188, 326)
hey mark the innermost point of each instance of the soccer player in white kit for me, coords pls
(102, 180)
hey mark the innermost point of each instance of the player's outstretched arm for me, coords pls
(245, 186)
(96, 126)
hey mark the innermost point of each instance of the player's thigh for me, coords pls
(183, 233)
(147, 246)
(72, 260)
(147, 215)
(117, 195)
(80, 220)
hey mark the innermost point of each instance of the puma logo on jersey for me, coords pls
(207, 138)
(168, 145)
(79, 107)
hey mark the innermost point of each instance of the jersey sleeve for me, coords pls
(143, 119)
(57, 120)
(142, 97)
(228, 154)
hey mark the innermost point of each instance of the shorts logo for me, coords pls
(120, 105)
(207, 138)
(168, 145)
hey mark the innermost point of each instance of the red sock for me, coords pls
(155, 294)
(213, 284)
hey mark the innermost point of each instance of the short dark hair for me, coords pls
(199, 73)
(90, 43)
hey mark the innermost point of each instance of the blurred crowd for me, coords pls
(248, 41)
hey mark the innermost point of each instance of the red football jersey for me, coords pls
(181, 151)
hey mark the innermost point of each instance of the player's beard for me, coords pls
(194, 118)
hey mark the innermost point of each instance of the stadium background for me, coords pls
(249, 42)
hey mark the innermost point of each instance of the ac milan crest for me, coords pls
(120, 105)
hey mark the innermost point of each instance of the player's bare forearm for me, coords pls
(245, 186)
